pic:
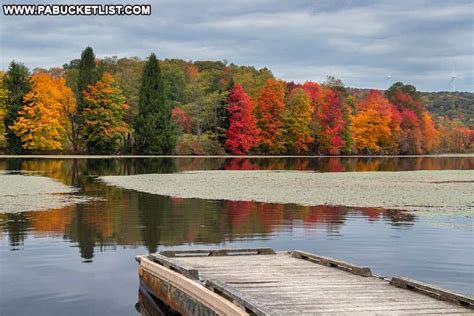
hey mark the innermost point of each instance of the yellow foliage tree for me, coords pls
(3, 111)
(42, 123)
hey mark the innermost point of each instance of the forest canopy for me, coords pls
(171, 106)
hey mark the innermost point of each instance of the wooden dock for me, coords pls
(263, 282)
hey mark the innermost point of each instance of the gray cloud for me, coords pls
(358, 41)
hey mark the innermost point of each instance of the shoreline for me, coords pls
(56, 156)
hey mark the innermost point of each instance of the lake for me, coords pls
(80, 259)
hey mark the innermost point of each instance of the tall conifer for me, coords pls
(87, 75)
(155, 132)
(17, 83)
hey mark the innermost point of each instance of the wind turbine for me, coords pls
(452, 82)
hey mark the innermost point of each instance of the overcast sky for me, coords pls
(360, 42)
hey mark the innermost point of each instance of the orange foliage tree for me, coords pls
(269, 112)
(41, 122)
(430, 134)
(454, 136)
(370, 127)
(104, 129)
(297, 122)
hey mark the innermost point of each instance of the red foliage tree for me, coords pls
(270, 110)
(417, 133)
(329, 124)
(242, 134)
(411, 137)
(182, 119)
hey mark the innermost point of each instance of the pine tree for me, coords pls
(222, 114)
(87, 75)
(17, 83)
(154, 128)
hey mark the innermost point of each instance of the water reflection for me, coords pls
(129, 218)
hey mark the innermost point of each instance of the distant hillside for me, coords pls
(459, 105)
(455, 105)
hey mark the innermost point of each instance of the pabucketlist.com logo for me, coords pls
(76, 9)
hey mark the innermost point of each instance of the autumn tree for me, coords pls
(3, 109)
(242, 135)
(430, 134)
(40, 123)
(17, 83)
(269, 111)
(411, 136)
(154, 129)
(127, 73)
(328, 121)
(346, 103)
(251, 79)
(411, 108)
(297, 121)
(454, 136)
(370, 128)
(182, 120)
(104, 109)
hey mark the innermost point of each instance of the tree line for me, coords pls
(129, 105)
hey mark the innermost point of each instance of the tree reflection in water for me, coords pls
(130, 218)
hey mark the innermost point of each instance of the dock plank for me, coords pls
(285, 284)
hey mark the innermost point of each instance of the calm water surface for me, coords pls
(80, 259)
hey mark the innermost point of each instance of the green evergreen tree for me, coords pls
(154, 128)
(17, 83)
(223, 117)
(87, 75)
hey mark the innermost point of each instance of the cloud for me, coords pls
(358, 41)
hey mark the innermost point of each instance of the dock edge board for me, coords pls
(217, 252)
(329, 262)
(183, 294)
(430, 290)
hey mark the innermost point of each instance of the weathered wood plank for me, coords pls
(164, 261)
(239, 298)
(166, 283)
(282, 283)
(218, 252)
(362, 271)
(433, 291)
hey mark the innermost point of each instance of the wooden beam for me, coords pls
(217, 252)
(433, 291)
(329, 262)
